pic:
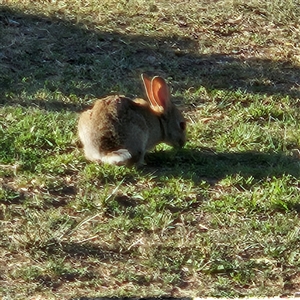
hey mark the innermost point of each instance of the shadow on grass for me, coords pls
(85, 250)
(44, 62)
(211, 166)
(207, 166)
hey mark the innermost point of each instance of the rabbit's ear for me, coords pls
(160, 92)
(155, 106)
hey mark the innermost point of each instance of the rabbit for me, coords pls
(118, 130)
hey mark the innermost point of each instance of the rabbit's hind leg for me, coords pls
(92, 153)
(119, 157)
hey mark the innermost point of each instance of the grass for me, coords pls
(217, 218)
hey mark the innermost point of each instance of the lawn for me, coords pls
(218, 218)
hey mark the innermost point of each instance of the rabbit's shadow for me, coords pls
(212, 166)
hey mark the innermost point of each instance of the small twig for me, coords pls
(139, 241)
(87, 239)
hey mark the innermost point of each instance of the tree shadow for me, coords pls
(48, 54)
(86, 250)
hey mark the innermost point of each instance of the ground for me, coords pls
(219, 218)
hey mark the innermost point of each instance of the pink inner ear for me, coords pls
(160, 91)
(162, 98)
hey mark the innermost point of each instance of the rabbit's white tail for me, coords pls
(119, 157)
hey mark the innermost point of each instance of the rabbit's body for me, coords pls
(118, 130)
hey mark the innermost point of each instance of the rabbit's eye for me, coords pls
(182, 125)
